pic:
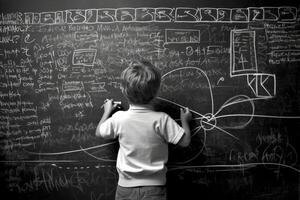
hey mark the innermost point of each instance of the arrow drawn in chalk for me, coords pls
(221, 79)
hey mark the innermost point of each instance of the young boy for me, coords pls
(143, 135)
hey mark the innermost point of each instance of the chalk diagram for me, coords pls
(243, 62)
(207, 123)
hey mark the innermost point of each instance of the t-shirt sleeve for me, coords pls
(107, 128)
(170, 130)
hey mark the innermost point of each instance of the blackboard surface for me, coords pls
(235, 64)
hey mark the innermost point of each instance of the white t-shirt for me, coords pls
(143, 135)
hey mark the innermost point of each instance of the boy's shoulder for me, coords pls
(124, 113)
(119, 113)
(136, 111)
(161, 115)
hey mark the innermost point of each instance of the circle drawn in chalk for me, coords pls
(208, 122)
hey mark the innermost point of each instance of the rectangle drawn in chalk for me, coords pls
(182, 36)
(85, 57)
(243, 53)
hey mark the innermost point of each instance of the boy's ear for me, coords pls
(123, 90)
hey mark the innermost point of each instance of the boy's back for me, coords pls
(143, 136)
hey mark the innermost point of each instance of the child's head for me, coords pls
(140, 82)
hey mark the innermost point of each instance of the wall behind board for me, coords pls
(234, 64)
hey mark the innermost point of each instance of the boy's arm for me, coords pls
(109, 107)
(185, 116)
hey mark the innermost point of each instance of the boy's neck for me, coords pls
(140, 106)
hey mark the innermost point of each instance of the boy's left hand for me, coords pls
(185, 114)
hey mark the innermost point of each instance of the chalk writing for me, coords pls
(228, 65)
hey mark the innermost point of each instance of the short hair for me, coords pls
(140, 82)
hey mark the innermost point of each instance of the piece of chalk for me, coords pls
(115, 102)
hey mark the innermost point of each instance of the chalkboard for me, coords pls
(234, 64)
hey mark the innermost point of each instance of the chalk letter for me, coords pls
(256, 14)
(125, 14)
(271, 14)
(287, 14)
(187, 15)
(106, 15)
(48, 18)
(209, 14)
(164, 15)
(144, 14)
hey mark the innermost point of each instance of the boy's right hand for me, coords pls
(185, 114)
(109, 106)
